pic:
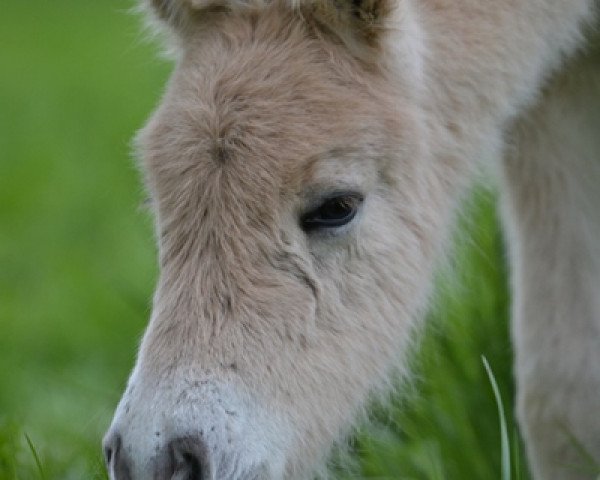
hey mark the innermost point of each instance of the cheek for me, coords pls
(377, 269)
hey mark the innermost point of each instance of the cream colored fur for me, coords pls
(552, 195)
(265, 342)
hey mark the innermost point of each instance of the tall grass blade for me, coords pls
(505, 444)
(36, 457)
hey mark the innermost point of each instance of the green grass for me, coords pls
(77, 267)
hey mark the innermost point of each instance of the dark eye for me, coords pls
(335, 211)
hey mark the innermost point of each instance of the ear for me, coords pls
(362, 21)
(361, 24)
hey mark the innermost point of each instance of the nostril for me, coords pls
(189, 459)
(193, 465)
(107, 455)
(116, 463)
(112, 445)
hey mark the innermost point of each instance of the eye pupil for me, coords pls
(336, 208)
(335, 211)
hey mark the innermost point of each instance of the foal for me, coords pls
(305, 166)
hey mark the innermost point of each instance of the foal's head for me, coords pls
(289, 182)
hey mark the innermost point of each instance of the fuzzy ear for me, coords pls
(362, 20)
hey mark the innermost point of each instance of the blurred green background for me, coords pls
(77, 268)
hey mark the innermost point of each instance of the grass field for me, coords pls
(77, 267)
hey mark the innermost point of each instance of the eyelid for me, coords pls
(323, 197)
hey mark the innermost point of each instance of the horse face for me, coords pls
(289, 183)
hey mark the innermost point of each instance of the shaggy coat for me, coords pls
(272, 324)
